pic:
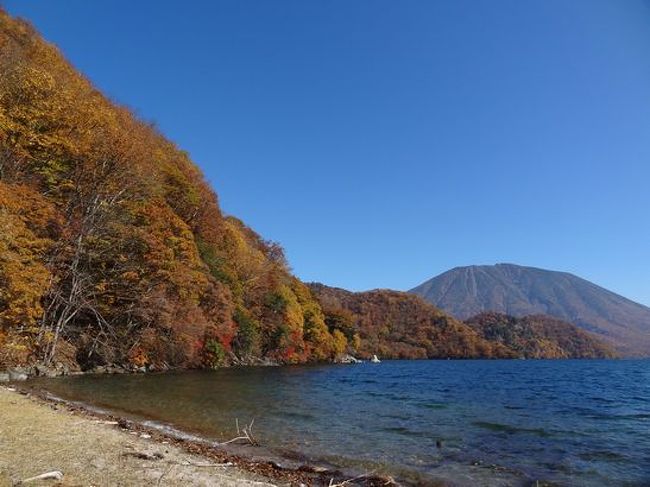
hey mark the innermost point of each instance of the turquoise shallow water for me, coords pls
(568, 422)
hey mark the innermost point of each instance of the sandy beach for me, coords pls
(37, 437)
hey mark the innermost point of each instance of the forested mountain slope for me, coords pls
(520, 291)
(113, 247)
(393, 324)
(399, 325)
(539, 336)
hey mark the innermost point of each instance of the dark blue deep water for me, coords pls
(582, 423)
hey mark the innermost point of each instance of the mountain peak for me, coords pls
(521, 290)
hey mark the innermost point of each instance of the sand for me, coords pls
(37, 437)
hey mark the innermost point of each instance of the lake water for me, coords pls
(498, 422)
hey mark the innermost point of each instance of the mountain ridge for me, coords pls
(523, 290)
(395, 324)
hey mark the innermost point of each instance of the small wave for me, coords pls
(640, 398)
(174, 432)
(434, 405)
(602, 399)
(397, 429)
(404, 431)
(509, 429)
(618, 417)
(401, 417)
(297, 415)
(374, 394)
(603, 456)
(398, 397)
(638, 416)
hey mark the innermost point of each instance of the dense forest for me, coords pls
(539, 336)
(114, 250)
(113, 247)
(394, 324)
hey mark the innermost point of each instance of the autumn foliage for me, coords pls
(539, 336)
(394, 324)
(113, 247)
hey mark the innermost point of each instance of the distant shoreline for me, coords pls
(8, 376)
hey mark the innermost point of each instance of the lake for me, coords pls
(479, 422)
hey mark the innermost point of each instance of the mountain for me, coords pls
(539, 336)
(114, 249)
(394, 324)
(520, 291)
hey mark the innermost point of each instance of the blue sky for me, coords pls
(384, 142)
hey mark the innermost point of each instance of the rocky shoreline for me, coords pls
(23, 373)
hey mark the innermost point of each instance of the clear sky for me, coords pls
(383, 142)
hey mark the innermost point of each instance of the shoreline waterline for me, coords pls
(496, 423)
(253, 465)
(39, 434)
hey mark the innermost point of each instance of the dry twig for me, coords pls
(348, 482)
(246, 434)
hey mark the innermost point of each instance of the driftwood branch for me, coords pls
(368, 476)
(245, 434)
(205, 465)
(55, 475)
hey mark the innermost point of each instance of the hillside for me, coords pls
(394, 324)
(113, 247)
(539, 336)
(521, 291)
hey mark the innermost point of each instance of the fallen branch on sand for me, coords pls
(246, 434)
(206, 465)
(101, 421)
(388, 481)
(55, 475)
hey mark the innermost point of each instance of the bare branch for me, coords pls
(246, 434)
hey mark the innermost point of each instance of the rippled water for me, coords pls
(569, 422)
